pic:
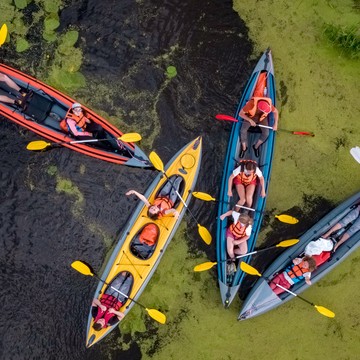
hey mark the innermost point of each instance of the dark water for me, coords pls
(44, 303)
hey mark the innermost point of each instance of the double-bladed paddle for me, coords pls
(283, 218)
(42, 145)
(85, 270)
(230, 118)
(3, 34)
(209, 264)
(252, 271)
(158, 165)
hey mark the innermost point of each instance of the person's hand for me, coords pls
(275, 127)
(252, 122)
(263, 193)
(296, 261)
(230, 193)
(307, 280)
(103, 307)
(222, 217)
(130, 192)
(176, 214)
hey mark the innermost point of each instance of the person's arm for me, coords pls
(120, 315)
(74, 130)
(307, 277)
(230, 184)
(172, 211)
(96, 302)
(262, 184)
(243, 115)
(140, 196)
(223, 216)
(276, 118)
(241, 240)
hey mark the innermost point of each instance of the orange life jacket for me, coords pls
(246, 179)
(238, 229)
(149, 234)
(163, 203)
(80, 120)
(297, 271)
(252, 112)
(110, 302)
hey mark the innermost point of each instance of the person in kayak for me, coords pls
(164, 202)
(300, 270)
(354, 217)
(256, 112)
(106, 310)
(237, 234)
(22, 96)
(245, 178)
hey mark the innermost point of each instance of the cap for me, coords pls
(76, 105)
(264, 106)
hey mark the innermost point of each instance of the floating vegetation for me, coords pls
(22, 45)
(20, 4)
(347, 38)
(171, 72)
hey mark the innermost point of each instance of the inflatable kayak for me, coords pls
(44, 111)
(261, 83)
(261, 297)
(144, 241)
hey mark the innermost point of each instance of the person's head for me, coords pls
(311, 263)
(249, 167)
(245, 219)
(76, 108)
(264, 106)
(97, 326)
(153, 212)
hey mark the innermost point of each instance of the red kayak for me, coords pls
(46, 108)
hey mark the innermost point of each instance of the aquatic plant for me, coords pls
(347, 38)
(20, 4)
(22, 45)
(171, 72)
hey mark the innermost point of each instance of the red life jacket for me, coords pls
(246, 179)
(163, 203)
(149, 234)
(110, 302)
(238, 229)
(253, 111)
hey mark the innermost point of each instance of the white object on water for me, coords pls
(355, 152)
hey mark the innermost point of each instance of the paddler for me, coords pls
(255, 112)
(164, 202)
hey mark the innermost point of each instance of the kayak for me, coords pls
(143, 241)
(261, 83)
(47, 107)
(262, 299)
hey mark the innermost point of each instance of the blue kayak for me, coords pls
(261, 78)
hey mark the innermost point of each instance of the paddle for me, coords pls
(252, 271)
(230, 118)
(208, 265)
(3, 34)
(85, 270)
(283, 218)
(355, 152)
(42, 145)
(158, 164)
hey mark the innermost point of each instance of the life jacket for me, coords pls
(80, 121)
(252, 112)
(110, 302)
(246, 179)
(238, 229)
(163, 203)
(296, 272)
(149, 234)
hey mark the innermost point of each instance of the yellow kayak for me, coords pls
(143, 241)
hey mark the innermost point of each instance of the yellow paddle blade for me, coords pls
(248, 269)
(204, 266)
(287, 243)
(156, 161)
(3, 34)
(324, 311)
(203, 196)
(156, 315)
(37, 145)
(81, 268)
(130, 137)
(287, 219)
(205, 235)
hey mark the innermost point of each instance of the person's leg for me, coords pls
(244, 134)
(241, 249)
(240, 188)
(230, 246)
(264, 133)
(9, 82)
(6, 99)
(249, 193)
